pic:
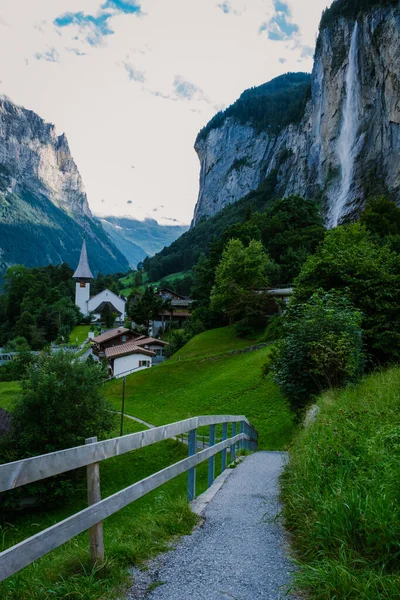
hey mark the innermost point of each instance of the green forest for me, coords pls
(37, 305)
(350, 9)
(269, 107)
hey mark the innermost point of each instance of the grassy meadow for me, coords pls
(212, 343)
(80, 333)
(127, 282)
(225, 384)
(204, 384)
(10, 391)
(341, 494)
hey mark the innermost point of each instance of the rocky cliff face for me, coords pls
(347, 144)
(43, 204)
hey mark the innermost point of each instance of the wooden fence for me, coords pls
(22, 472)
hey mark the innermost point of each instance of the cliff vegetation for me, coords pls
(350, 9)
(269, 107)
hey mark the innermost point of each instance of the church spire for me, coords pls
(83, 270)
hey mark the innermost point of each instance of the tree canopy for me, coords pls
(269, 107)
(369, 274)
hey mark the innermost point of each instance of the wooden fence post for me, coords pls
(233, 447)
(241, 443)
(223, 453)
(192, 443)
(94, 496)
(211, 461)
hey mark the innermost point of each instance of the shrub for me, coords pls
(61, 405)
(17, 369)
(321, 347)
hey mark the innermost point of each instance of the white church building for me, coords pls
(94, 304)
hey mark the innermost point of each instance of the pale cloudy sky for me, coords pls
(131, 82)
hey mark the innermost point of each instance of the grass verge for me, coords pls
(341, 494)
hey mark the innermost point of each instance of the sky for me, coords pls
(131, 83)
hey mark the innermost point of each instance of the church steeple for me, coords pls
(83, 270)
(83, 275)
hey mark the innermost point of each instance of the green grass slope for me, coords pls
(225, 384)
(80, 333)
(132, 535)
(10, 392)
(341, 493)
(127, 282)
(211, 343)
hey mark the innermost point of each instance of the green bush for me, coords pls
(321, 347)
(61, 405)
(17, 369)
(368, 272)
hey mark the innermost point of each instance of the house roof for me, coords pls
(121, 298)
(83, 270)
(109, 335)
(183, 303)
(126, 349)
(5, 421)
(101, 307)
(161, 291)
(147, 341)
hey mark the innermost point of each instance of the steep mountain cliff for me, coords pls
(43, 206)
(344, 146)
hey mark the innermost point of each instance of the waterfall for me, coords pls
(347, 146)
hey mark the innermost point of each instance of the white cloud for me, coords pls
(141, 95)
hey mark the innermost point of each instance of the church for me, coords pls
(94, 304)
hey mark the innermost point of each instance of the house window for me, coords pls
(144, 363)
(124, 338)
(159, 352)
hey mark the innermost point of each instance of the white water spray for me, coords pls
(347, 146)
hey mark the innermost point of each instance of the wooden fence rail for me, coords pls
(37, 468)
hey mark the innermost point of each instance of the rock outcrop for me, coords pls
(43, 205)
(346, 146)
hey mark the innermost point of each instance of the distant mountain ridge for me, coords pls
(43, 205)
(138, 239)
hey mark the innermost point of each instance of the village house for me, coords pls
(111, 338)
(128, 358)
(126, 351)
(179, 314)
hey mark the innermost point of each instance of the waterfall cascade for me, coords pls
(348, 146)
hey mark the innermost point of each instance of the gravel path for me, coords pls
(239, 552)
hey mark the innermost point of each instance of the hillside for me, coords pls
(138, 239)
(341, 493)
(184, 253)
(218, 384)
(43, 205)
